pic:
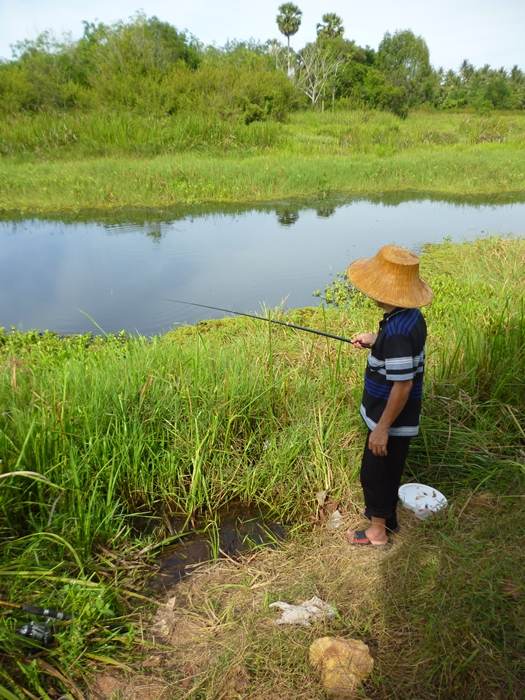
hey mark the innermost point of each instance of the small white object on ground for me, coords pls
(321, 497)
(304, 613)
(422, 500)
(335, 520)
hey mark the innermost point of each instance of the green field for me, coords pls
(72, 162)
(93, 431)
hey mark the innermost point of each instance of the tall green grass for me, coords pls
(94, 431)
(106, 184)
(104, 161)
(384, 134)
(81, 134)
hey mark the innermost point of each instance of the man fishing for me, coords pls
(392, 395)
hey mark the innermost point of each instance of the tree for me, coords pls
(330, 27)
(404, 58)
(278, 54)
(330, 34)
(466, 70)
(318, 68)
(289, 21)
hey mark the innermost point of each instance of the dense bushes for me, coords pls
(146, 66)
(242, 84)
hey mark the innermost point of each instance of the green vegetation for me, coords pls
(148, 66)
(95, 430)
(98, 434)
(74, 162)
(288, 20)
(140, 114)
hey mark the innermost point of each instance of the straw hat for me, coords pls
(392, 277)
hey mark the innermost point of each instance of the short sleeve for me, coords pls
(400, 362)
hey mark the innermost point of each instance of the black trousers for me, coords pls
(381, 477)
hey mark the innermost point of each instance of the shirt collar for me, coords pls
(395, 311)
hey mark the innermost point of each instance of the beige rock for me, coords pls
(343, 664)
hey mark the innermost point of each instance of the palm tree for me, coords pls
(331, 26)
(289, 21)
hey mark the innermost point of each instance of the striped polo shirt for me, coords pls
(398, 354)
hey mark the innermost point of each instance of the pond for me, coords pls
(74, 276)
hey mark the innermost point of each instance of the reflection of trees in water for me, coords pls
(155, 234)
(324, 211)
(287, 217)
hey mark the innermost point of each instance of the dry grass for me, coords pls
(216, 632)
(214, 636)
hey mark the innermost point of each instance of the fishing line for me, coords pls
(287, 324)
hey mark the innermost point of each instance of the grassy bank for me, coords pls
(74, 162)
(95, 431)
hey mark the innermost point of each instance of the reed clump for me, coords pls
(97, 430)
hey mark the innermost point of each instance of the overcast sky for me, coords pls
(484, 31)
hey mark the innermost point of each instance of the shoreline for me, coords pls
(137, 213)
(190, 181)
(91, 165)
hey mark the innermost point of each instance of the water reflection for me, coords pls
(287, 217)
(325, 211)
(53, 272)
(155, 235)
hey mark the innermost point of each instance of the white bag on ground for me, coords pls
(303, 613)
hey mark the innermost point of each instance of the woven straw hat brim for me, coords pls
(383, 285)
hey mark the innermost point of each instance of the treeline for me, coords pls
(147, 66)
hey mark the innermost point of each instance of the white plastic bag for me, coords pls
(303, 613)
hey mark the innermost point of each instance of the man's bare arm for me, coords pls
(397, 400)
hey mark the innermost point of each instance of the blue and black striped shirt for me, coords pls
(398, 354)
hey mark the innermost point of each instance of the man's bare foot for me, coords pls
(373, 536)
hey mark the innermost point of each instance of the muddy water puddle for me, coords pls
(236, 532)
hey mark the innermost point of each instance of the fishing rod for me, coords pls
(287, 324)
(34, 610)
(40, 632)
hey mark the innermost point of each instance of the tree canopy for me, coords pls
(289, 19)
(331, 26)
(405, 60)
(149, 66)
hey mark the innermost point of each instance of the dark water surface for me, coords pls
(59, 275)
(239, 530)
